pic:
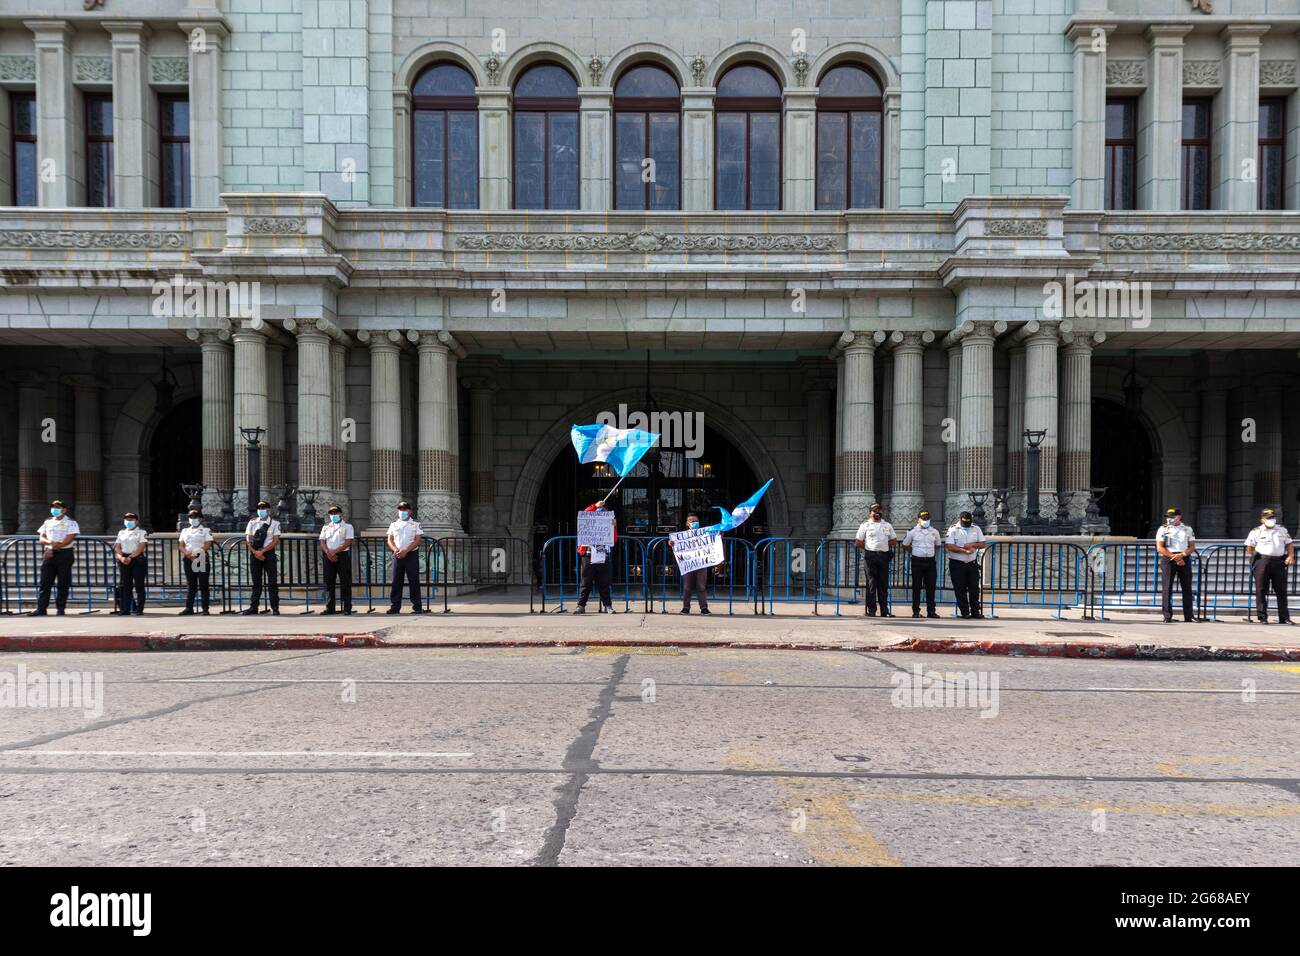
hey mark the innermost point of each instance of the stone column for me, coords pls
(976, 456)
(493, 148)
(88, 458)
(482, 463)
(1089, 41)
(1075, 460)
(135, 134)
(1160, 154)
(453, 436)
(1237, 138)
(596, 139)
(218, 415)
(1212, 514)
(385, 425)
(338, 412)
(33, 473)
(274, 467)
(1016, 430)
(58, 134)
(857, 455)
(1041, 395)
(951, 435)
(883, 477)
(435, 443)
(1267, 404)
(817, 457)
(205, 39)
(409, 401)
(250, 404)
(908, 426)
(799, 146)
(837, 428)
(697, 148)
(316, 459)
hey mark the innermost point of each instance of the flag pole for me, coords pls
(615, 488)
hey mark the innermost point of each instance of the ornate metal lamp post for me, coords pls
(254, 438)
(195, 495)
(309, 520)
(227, 521)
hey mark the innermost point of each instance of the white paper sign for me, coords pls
(696, 549)
(595, 529)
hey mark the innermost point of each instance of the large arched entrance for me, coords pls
(656, 497)
(1121, 463)
(175, 458)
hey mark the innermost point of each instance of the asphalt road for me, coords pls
(652, 756)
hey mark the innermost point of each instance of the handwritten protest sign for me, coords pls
(696, 549)
(596, 529)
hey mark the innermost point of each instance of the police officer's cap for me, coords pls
(965, 515)
(130, 514)
(263, 504)
(402, 505)
(56, 503)
(875, 506)
(335, 510)
(1268, 513)
(1174, 511)
(195, 513)
(923, 514)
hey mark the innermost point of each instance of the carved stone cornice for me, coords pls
(70, 239)
(645, 241)
(1015, 228)
(1203, 242)
(275, 226)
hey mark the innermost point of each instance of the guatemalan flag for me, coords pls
(739, 514)
(620, 448)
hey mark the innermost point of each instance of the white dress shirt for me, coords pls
(924, 541)
(876, 535)
(1175, 537)
(404, 532)
(271, 536)
(193, 539)
(1270, 542)
(961, 536)
(131, 538)
(335, 534)
(58, 529)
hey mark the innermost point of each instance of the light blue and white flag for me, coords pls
(740, 514)
(620, 448)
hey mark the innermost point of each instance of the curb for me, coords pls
(1071, 649)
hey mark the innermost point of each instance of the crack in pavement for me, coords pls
(237, 667)
(577, 761)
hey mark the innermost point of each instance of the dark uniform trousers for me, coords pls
(196, 581)
(340, 569)
(262, 568)
(877, 580)
(56, 568)
(1168, 571)
(925, 574)
(404, 569)
(965, 578)
(695, 582)
(1270, 569)
(599, 575)
(130, 584)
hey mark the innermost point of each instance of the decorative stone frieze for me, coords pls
(1126, 72)
(644, 241)
(275, 226)
(1202, 73)
(1277, 73)
(68, 239)
(92, 69)
(169, 69)
(18, 69)
(1204, 242)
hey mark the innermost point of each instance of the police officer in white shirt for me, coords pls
(1272, 551)
(963, 543)
(195, 542)
(58, 536)
(923, 543)
(262, 535)
(132, 565)
(1176, 543)
(876, 540)
(404, 537)
(336, 544)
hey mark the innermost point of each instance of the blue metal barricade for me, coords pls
(733, 579)
(1033, 574)
(478, 562)
(559, 576)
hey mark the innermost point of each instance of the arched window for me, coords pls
(747, 139)
(546, 139)
(647, 125)
(850, 157)
(444, 137)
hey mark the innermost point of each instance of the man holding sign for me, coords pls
(596, 537)
(696, 551)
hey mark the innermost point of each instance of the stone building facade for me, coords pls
(894, 350)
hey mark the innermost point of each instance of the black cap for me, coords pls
(335, 509)
(923, 513)
(195, 513)
(1268, 513)
(1173, 511)
(966, 516)
(56, 503)
(875, 506)
(131, 514)
(263, 504)
(402, 505)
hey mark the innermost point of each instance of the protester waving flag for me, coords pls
(739, 514)
(620, 448)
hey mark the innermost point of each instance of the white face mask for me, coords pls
(1270, 522)
(194, 522)
(925, 524)
(403, 515)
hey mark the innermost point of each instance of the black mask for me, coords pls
(965, 524)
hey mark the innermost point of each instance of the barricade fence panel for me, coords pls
(480, 562)
(560, 575)
(730, 581)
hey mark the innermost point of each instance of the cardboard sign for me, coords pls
(696, 549)
(596, 529)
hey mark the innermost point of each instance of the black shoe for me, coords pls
(705, 610)
(580, 610)
(931, 614)
(205, 610)
(60, 612)
(275, 611)
(249, 612)
(328, 610)
(1287, 621)
(685, 610)
(187, 611)
(871, 612)
(978, 615)
(36, 614)
(394, 610)
(1262, 620)
(1169, 620)
(137, 613)
(417, 610)
(886, 614)
(608, 609)
(347, 610)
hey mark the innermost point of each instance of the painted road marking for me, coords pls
(1185, 690)
(325, 680)
(233, 753)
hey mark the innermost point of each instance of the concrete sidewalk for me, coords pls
(488, 622)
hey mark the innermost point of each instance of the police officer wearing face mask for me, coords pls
(132, 565)
(195, 543)
(1272, 551)
(336, 543)
(262, 535)
(404, 537)
(876, 540)
(1176, 543)
(963, 544)
(923, 543)
(58, 536)
(694, 582)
